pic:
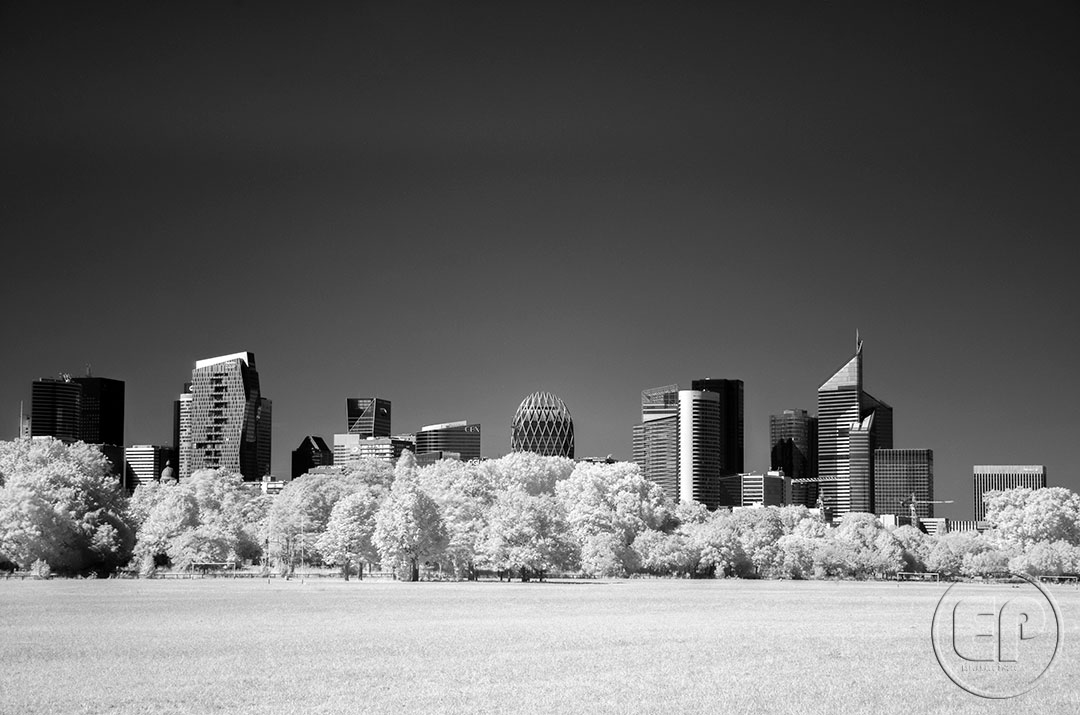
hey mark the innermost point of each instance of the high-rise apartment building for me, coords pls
(730, 403)
(312, 452)
(144, 463)
(459, 437)
(81, 409)
(999, 477)
(793, 450)
(368, 416)
(656, 439)
(226, 409)
(851, 425)
(899, 474)
(542, 424)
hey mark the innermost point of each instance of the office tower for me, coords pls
(543, 425)
(351, 448)
(311, 453)
(656, 439)
(460, 437)
(182, 432)
(900, 473)
(997, 477)
(264, 420)
(368, 416)
(81, 409)
(793, 450)
(226, 406)
(851, 425)
(730, 444)
(699, 447)
(56, 409)
(144, 463)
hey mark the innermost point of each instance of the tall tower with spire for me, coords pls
(851, 425)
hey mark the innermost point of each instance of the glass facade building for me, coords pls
(81, 409)
(851, 425)
(460, 437)
(542, 424)
(730, 443)
(899, 474)
(368, 416)
(312, 452)
(226, 409)
(998, 477)
(793, 450)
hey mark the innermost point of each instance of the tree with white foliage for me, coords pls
(348, 536)
(528, 533)
(408, 527)
(607, 506)
(61, 505)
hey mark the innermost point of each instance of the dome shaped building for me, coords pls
(543, 425)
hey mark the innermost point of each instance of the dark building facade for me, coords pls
(899, 474)
(459, 437)
(81, 409)
(56, 409)
(312, 452)
(731, 442)
(368, 416)
(793, 450)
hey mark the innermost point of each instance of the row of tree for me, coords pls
(521, 514)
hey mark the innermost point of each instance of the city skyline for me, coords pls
(461, 207)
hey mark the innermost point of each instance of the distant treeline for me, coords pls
(61, 511)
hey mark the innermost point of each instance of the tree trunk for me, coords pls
(524, 574)
(345, 570)
(360, 570)
(414, 574)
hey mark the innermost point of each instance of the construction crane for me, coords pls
(913, 501)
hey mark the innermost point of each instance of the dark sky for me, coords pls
(452, 205)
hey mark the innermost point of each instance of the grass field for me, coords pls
(235, 646)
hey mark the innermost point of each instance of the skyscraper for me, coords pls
(699, 447)
(81, 409)
(656, 439)
(459, 437)
(793, 449)
(312, 452)
(731, 435)
(542, 424)
(999, 477)
(182, 432)
(226, 409)
(899, 473)
(851, 425)
(56, 409)
(368, 416)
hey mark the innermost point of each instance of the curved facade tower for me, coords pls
(543, 425)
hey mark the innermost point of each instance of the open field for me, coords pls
(240, 646)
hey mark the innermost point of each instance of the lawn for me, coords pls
(237, 646)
